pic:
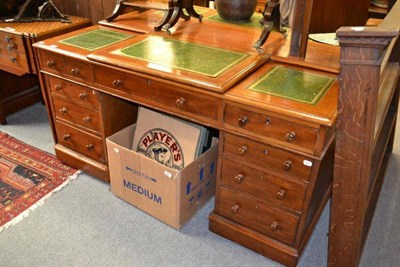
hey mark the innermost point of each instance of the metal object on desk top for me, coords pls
(30, 11)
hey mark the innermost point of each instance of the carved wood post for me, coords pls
(362, 51)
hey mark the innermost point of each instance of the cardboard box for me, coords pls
(169, 195)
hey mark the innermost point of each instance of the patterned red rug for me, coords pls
(28, 176)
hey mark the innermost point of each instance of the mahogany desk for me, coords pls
(275, 163)
(18, 80)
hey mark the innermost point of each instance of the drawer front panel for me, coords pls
(124, 83)
(12, 51)
(180, 100)
(262, 185)
(269, 126)
(76, 114)
(74, 92)
(258, 216)
(152, 90)
(80, 141)
(268, 157)
(67, 67)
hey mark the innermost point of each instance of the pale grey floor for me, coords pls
(84, 224)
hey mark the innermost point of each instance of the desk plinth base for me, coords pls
(252, 240)
(81, 162)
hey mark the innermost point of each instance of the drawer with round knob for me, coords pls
(74, 92)
(76, 114)
(183, 101)
(261, 185)
(270, 158)
(287, 132)
(258, 216)
(80, 141)
(12, 52)
(123, 83)
(77, 70)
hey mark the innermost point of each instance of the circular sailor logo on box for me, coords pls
(163, 147)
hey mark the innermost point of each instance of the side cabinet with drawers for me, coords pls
(275, 172)
(18, 81)
(82, 116)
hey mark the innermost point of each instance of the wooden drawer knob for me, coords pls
(290, 137)
(242, 150)
(50, 63)
(8, 38)
(75, 71)
(243, 121)
(83, 96)
(281, 194)
(63, 110)
(274, 226)
(66, 137)
(90, 147)
(87, 119)
(287, 165)
(58, 87)
(239, 178)
(10, 47)
(117, 83)
(235, 209)
(180, 102)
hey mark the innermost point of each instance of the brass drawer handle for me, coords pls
(83, 96)
(235, 209)
(58, 87)
(50, 63)
(267, 121)
(243, 120)
(90, 147)
(287, 165)
(242, 150)
(180, 102)
(239, 178)
(75, 71)
(63, 110)
(274, 226)
(66, 137)
(13, 59)
(281, 194)
(87, 119)
(290, 137)
(117, 83)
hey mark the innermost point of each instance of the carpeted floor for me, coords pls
(86, 225)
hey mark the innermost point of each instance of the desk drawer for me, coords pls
(85, 117)
(270, 126)
(80, 141)
(262, 185)
(181, 100)
(13, 52)
(74, 92)
(268, 157)
(124, 83)
(64, 66)
(258, 216)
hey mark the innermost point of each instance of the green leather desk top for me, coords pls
(96, 39)
(170, 53)
(253, 22)
(293, 84)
